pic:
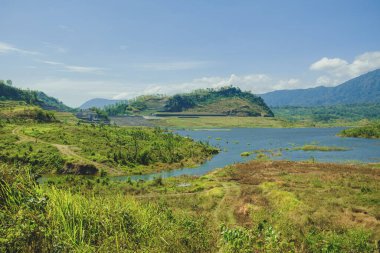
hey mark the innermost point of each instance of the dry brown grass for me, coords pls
(326, 196)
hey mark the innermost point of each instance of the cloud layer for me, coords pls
(74, 68)
(6, 48)
(338, 70)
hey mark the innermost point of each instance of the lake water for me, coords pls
(233, 142)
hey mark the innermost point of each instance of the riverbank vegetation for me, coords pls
(259, 206)
(312, 147)
(35, 137)
(320, 116)
(249, 122)
(371, 130)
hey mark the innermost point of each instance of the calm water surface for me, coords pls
(233, 142)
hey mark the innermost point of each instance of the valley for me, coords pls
(207, 171)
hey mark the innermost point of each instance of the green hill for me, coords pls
(8, 92)
(142, 105)
(226, 100)
(19, 111)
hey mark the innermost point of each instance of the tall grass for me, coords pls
(46, 219)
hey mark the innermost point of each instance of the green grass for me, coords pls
(253, 207)
(303, 207)
(329, 114)
(255, 122)
(45, 219)
(68, 146)
(371, 130)
(130, 150)
(16, 111)
(311, 147)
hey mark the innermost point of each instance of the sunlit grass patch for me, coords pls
(312, 147)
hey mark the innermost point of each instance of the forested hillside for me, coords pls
(227, 100)
(142, 105)
(8, 92)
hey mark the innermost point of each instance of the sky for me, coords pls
(78, 50)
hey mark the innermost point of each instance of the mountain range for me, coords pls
(359, 90)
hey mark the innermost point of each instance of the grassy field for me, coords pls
(232, 122)
(57, 143)
(259, 206)
(311, 147)
(67, 148)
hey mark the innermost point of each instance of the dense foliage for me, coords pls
(130, 150)
(46, 219)
(327, 114)
(8, 92)
(254, 106)
(16, 111)
(142, 105)
(253, 207)
(369, 131)
(226, 100)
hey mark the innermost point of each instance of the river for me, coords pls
(281, 141)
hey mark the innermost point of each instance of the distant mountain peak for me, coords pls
(362, 89)
(98, 103)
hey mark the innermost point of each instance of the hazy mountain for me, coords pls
(362, 89)
(98, 103)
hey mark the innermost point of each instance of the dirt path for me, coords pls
(224, 211)
(64, 150)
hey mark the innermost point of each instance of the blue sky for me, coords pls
(77, 50)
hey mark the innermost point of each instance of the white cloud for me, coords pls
(53, 62)
(6, 48)
(56, 48)
(74, 68)
(74, 92)
(324, 80)
(257, 83)
(328, 64)
(82, 69)
(337, 70)
(178, 65)
(288, 84)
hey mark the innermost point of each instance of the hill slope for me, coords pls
(39, 98)
(142, 105)
(226, 100)
(98, 103)
(362, 89)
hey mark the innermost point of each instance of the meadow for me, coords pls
(257, 122)
(259, 206)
